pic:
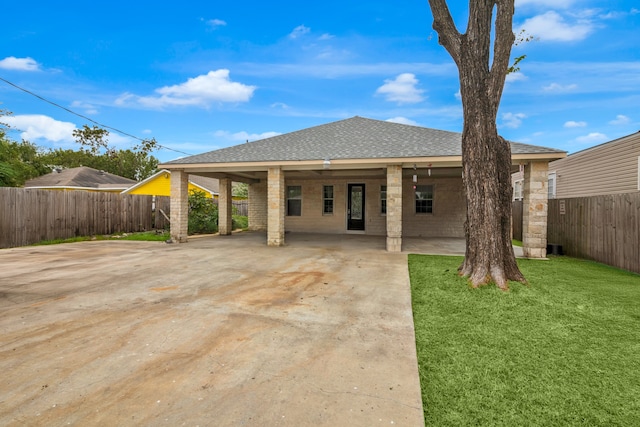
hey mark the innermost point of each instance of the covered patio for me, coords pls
(357, 176)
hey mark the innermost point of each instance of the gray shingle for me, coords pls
(80, 177)
(354, 138)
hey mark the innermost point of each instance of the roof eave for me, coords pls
(433, 161)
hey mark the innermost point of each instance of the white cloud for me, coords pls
(550, 26)
(146, 131)
(22, 64)
(620, 120)
(574, 124)
(88, 108)
(592, 138)
(563, 4)
(515, 77)
(38, 126)
(402, 121)
(613, 15)
(458, 95)
(555, 87)
(215, 23)
(402, 90)
(244, 136)
(326, 36)
(200, 91)
(281, 105)
(300, 30)
(512, 120)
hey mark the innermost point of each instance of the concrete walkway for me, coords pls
(220, 331)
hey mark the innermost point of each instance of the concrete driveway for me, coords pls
(220, 331)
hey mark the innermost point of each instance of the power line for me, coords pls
(87, 118)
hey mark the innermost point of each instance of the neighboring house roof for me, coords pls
(158, 184)
(81, 178)
(354, 138)
(209, 184)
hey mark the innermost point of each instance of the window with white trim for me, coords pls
(517, 190)
(424, 199)
(383, 199)
(327, 199)
(294, 200)
(551, 185)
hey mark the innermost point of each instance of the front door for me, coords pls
(355, 207)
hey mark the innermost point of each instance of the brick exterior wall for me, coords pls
(449, 209)
(447, 220)
(257, 214)
(313, 220)
(179, 206)
(534, 210)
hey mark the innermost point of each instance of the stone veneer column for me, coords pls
(275, 210)
(225, 218)
(258, 206)
(394, 208)
(534, 210)
(179, 205)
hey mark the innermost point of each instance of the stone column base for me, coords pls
(534, 252)
(275, 241)
(394, 244)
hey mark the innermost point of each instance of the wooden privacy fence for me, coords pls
(601, 228)
(29, 216)
(160, 209)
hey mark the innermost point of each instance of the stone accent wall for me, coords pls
(258, 206)
(225, 223)
(394, 208)
(179, 205)
(534, 210)
(275, 212)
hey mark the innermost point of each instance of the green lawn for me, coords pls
(150, 236)
(563, 351)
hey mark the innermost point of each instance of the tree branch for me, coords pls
(504, 39)
(448, 35)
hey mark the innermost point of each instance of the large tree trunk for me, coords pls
(486, 157)
(486, 164)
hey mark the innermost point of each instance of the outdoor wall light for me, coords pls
(326, 164)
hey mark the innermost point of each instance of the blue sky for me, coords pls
(199, 76)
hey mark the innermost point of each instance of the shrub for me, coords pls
(203, 213)
(240, 222)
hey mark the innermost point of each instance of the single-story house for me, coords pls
(159, 184)
(80, 178)
(356, 176)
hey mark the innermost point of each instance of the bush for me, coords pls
(203, 214)
(240, 222)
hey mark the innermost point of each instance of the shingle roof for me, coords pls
(354, 138)
(83, 176)
(211, 184)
